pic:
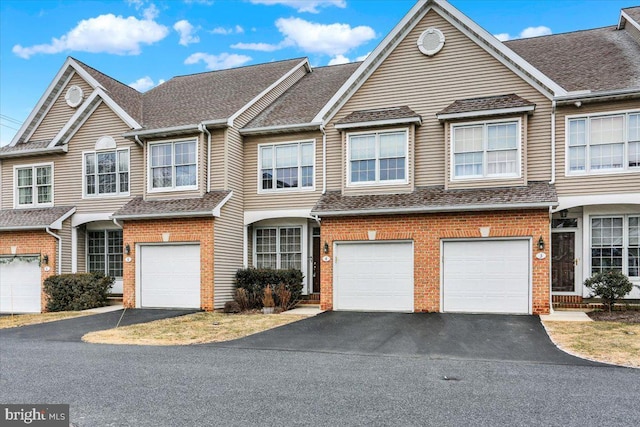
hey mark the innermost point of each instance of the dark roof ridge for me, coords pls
(337, 65)
(105, 75)
(613, 27)
(237, 68)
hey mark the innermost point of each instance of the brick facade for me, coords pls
(36, 242)
(179, 231)
(426, 231)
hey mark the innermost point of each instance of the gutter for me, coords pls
(300, 127)
(608, 95)
(553, 142)
(192, 214)
(324, 161)
(35, 151)
(422, 209)
(175, 130)
(59, 256)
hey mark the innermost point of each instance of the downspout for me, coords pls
(204, 129)
(553, 142)
(59, 256)
(137, 138)
(549, 261)
(324, 160)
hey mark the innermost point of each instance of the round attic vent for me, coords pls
(431, 41)
(73, 96)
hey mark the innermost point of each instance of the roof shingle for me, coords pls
(486, 103)
(379, 114)
(138, 208)
(437, 199)
(11, 219)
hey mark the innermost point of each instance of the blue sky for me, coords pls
(145, 42)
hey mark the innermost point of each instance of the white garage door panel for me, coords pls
(374, 276)
(20, 287)
(170, 276)
(486, 276)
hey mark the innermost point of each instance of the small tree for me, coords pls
(267, 300)
(609, 285)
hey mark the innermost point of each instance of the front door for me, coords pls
(563, 261)
(316, 262)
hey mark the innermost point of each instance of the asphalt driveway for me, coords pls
(435, 335)
(72, 330)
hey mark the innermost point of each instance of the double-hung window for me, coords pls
(173, 165)
(486, 150)
(34, 185)
(286, 166)
(377, 157)
(615, 244)
(278, 247)
(106, 173)
(104, 252)
(603, 143)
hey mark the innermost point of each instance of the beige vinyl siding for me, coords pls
(200, 162)
(228, 228)
(68, 177)
(633, 32)
(604, 183)
(303, 199)
(217, 158)
(487, 182)
(65, 236)
(427, 85)
(59, 113)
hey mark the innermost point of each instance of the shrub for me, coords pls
(267, 299)
(242, 298)
(231, 307)
(255, 280)
(609, 285)
(284, 297)
(79, 291)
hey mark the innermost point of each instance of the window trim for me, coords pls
(34, 203)
(278, 252)
(377, 182)
(485, 177)
(173, 187)
(105, 232)
(287, 190)
(85, 195)
(588, 171)
(625, 241)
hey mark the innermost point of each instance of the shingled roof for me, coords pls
(379, 115)
(633, 12)
(20, 219)
(597, 60)
(437, 199)
(500, 102)
(207, 205)
(300, 103)
(215, 95)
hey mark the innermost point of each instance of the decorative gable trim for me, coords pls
(489, 43)
(624, 18)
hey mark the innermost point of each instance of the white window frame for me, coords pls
(106, 254)
(290, 189)
(625, 242)
(278, 252)
(173, 187)
(485, 141)
(377, 181)
(34, 186)
(97, 195)
(625, 160)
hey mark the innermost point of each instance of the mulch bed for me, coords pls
(627, 316)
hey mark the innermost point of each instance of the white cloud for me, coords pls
(186, 31)
(526, 33)
(310, 6)
(262, 47)
(218, 62)
(204, 2)
(151, 12)
(339, 59)
(363, 57)
(145, 83)
(105, 33)
(226, 31)
(331, 39)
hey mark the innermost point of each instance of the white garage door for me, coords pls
(373, 276)
(20, 286)
(170, 276)
(489, 276)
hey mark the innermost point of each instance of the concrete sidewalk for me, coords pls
(566, 316)
(306, 310)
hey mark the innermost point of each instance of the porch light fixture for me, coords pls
(325, 248)
(45, 259)
(127, 249)
(541, 243)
